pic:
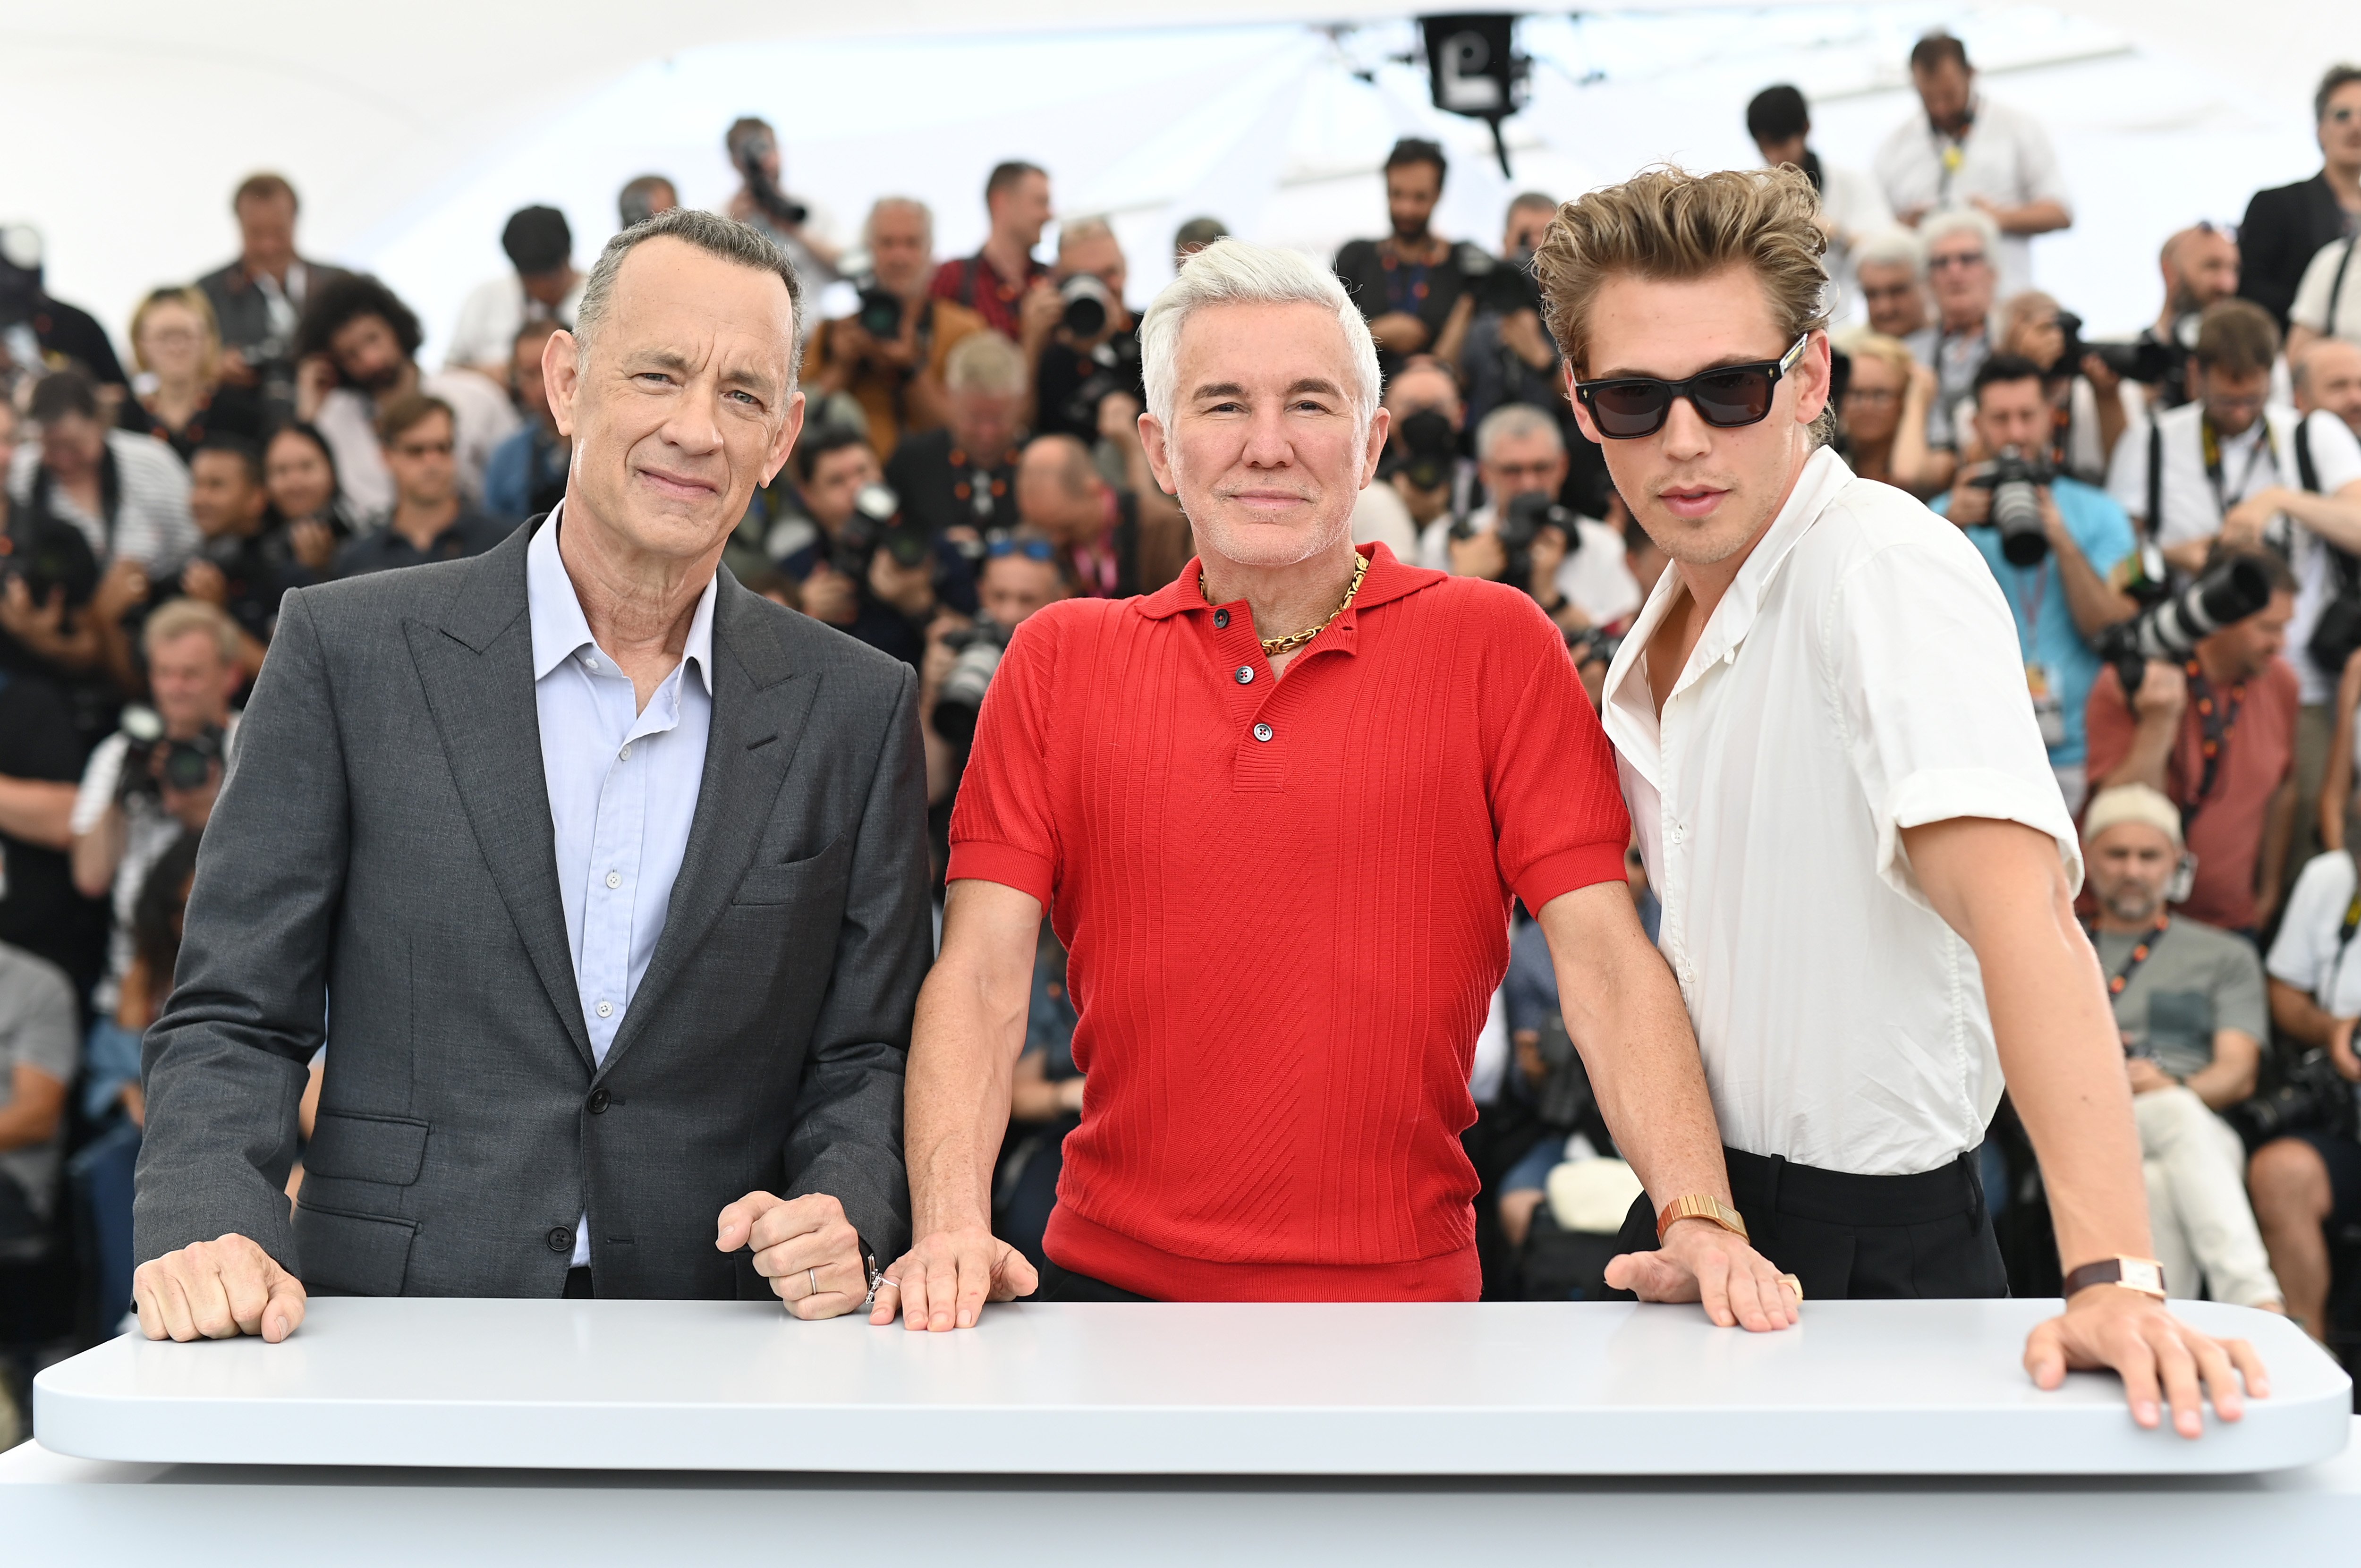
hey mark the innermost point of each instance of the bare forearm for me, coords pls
(2093, 604)
(2150, 749)
(2298, 1014)
(2336, 518)
(96, 854)
(957, 1103)
(1626, 1017)
(2278, 832)
(36, 811)
(2034, 217)
(2229, 1076)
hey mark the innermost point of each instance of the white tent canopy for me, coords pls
(413, 133)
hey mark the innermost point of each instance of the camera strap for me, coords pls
(2223, 493)
(2336, 286)
(2326, 999)
(2215, 719)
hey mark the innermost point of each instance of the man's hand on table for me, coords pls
(2106, 1325)
(804, 1246)
(943, 1282)
(1699, 1261)
(217, 1289)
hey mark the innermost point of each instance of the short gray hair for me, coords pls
(925, 216)
(1511, 421)
(986, 362)
(1233, 273)
(1892, 246)
(1962, 220)
(710, 233)
(1074, 231)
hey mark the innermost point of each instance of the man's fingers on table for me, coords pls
(2045, 1354)
(736, 1221)
(284, 1313)
(1014, 1276)
(818, 1249)
(942, 1289)
(2250, 1366)
(2179, 1370)
(2135, 1362)
(2220, 1378)
(888, 1302)
(1651, 1277)
(976, 1270)
(815, 1213)
(840, 1289)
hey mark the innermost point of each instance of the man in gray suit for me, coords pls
(609, 874)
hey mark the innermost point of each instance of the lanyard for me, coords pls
(2262, 449)
(2029, 607)
(1950, 154)
(1406, 294)
(2215, 721)
(2140, 952)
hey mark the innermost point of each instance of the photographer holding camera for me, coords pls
(903, 573)
(1521, 452)
(1080, 337)
(2216, 732)
(2053, 542)
(1509, 357)
(2200, 268)
(962, 476)
(762, 204)
(157, 774)
(888, 355)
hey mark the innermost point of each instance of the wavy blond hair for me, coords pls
(1668, 225)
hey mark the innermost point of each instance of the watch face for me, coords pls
(2143, 1273)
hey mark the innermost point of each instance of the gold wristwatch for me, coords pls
(1698, 1206)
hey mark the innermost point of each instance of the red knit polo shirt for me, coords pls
(1286, 903)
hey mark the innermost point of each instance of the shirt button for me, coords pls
(627, 752)
(589, 664)
(614, 879)
(1262, 731)
(1221, 620)
(561, 1239)
(606, 1010)
(1246, 675)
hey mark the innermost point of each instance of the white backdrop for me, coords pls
(412, 132)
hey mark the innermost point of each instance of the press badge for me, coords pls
(2048, 709)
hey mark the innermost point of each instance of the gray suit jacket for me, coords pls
(381, 857)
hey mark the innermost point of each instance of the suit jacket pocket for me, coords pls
(349, 1148)
(352, 1255)
(814, 876)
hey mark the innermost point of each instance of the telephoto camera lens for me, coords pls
(2016, 481)
(2171, 629)
(960, 700)
(1087, 302)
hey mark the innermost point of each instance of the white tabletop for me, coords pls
(1540, 1388)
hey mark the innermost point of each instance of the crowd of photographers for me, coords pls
(2175, 519)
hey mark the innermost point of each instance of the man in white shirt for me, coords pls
(1961, 276)
(1520, 452)
(1852, 207)
(2328, 301)
(543, 287)
(1965, 152)
(1844, 805)
(127, 495)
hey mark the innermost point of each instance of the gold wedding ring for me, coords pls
(1792, 1283)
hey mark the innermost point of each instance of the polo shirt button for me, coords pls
(1262, 731)
(1221, 620)
(1246, 675)
(561, 1239)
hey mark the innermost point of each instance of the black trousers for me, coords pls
(1858, 1237)
(1064, 1284)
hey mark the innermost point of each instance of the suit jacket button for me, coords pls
(600, 1100)
(561, 1239)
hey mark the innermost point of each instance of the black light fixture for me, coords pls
(1477, 70)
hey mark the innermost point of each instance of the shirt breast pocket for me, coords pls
(814, 877)
(2180, 1021)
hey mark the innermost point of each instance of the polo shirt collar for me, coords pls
(560, 630)
(1387, 578)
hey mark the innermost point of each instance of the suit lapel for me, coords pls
(758, 707)
(476, 669)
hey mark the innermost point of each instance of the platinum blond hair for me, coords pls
(1233, 273)
(1942, 226)
(1893, 246)
(1511, 421)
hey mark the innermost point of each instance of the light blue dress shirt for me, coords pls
(623, 783)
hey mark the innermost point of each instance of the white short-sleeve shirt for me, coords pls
(1860, 677)
(2306, 953)
(2329, 299)
(495, 311)
(2005, 158)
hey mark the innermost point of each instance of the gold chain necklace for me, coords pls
(1295, 640)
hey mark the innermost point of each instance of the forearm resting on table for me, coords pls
(969, 1032)
(2001, 886)
(1625, 1014)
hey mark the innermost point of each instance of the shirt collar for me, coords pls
(559, 628)
(1823, 475)
(1387, 578)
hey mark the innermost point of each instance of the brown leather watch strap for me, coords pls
(2144, 1275)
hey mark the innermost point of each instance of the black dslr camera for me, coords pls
(1429, 449)
(1501, 287)
(880, 314)
(2015, 479)
(155, 762)
(2145, 359)
(960, 700)
(774, 202)
(1516, 525)
(876, 524)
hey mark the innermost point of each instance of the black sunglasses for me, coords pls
(1726, 396)
(1031, 549)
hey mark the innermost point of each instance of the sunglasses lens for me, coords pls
(1628, 409)
(1732, 398)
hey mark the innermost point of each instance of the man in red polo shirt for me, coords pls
(1275, 812)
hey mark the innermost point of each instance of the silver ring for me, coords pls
(813, 1275)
